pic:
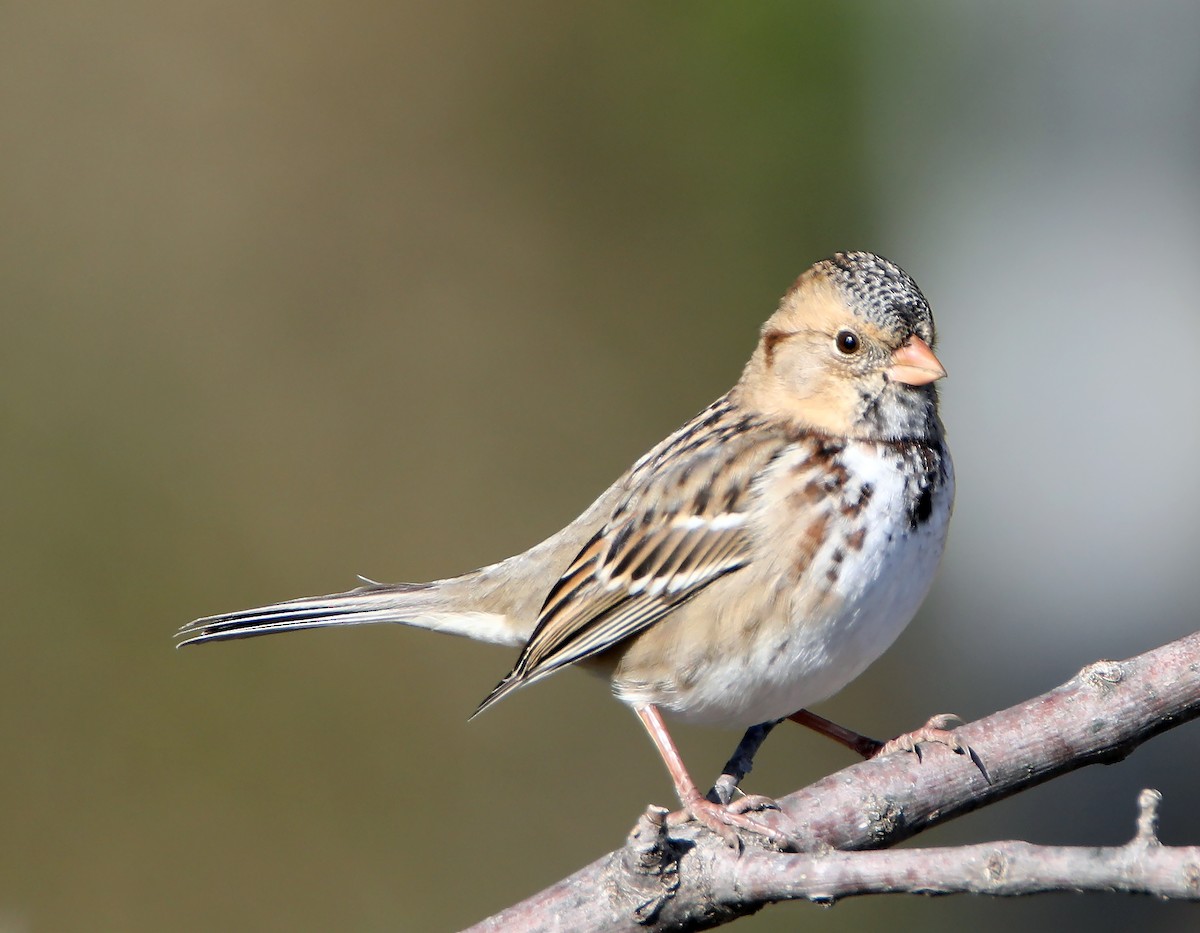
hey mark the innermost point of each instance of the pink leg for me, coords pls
(721, 820)
(856, 742)
(938, 730)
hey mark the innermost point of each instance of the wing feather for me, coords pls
(682, 525)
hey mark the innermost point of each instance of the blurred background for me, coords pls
(293, 291)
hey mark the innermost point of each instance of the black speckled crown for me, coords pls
(886, 293)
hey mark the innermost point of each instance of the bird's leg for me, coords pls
(740, 763)
(856, 742)
(742, 760)
(939, 729)
(720, 819)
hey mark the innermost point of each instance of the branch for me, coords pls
(1009, 869)
(691, 880)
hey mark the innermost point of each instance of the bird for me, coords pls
(751, 564)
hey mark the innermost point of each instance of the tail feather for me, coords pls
(418, 604)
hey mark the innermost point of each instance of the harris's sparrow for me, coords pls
(751, 564)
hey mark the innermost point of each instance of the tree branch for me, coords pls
(1141, 866)
(688, 879)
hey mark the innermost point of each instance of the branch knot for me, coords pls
(646, 869)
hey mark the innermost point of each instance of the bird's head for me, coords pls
(849, 352)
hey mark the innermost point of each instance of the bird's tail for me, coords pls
(424, 605)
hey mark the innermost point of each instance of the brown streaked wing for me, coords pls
(680, 528)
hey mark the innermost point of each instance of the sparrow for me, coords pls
(751, 564)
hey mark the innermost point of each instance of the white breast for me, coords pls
(817, 631)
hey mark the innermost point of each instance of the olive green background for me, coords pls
(294, 291)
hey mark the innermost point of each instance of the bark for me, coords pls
(676, 876)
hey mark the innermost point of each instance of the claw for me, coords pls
(939, 730)
(726, 821)
(752, 802)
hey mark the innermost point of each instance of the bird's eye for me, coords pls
(847, 341)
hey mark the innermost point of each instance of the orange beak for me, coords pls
(914, 364)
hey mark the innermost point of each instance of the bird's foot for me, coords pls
(750, 803)
(938, 730)
(727, 821)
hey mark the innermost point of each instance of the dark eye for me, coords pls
(847, 341)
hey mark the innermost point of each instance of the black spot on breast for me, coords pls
(827, 449)
(851, 509)
(922, 508)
